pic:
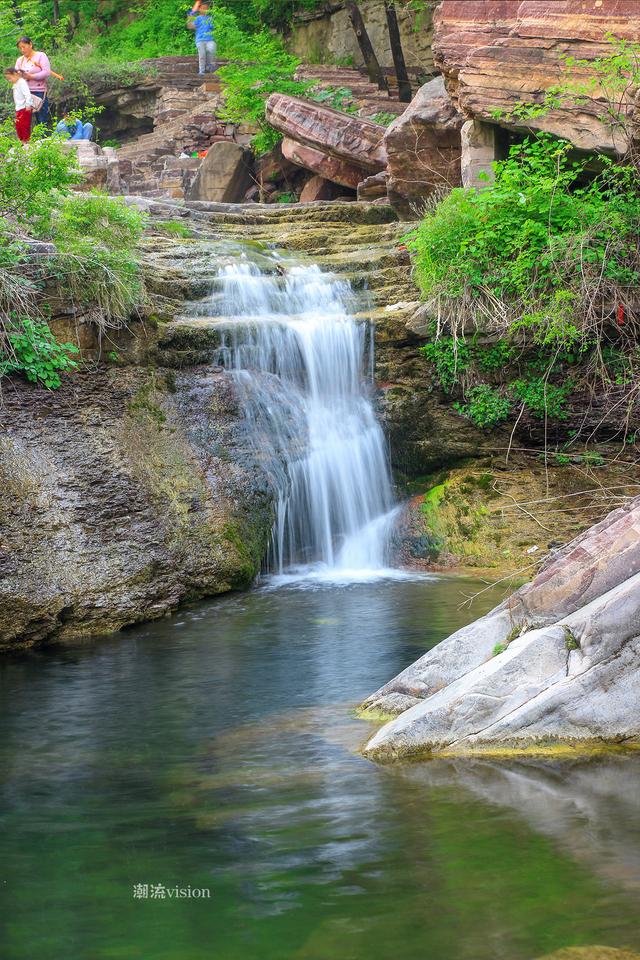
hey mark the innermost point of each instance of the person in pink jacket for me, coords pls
(36, 69)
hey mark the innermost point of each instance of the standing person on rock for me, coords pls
(35, 67)
(23, 101)
(201, 21)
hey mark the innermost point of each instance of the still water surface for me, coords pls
(219, 750)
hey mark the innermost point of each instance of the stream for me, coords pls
(193, 789)
(219, 750)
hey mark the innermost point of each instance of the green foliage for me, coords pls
(339, 98)
(384, 119)
(265, 68)
(94, 256)
(549, 254)
(34, 351)
(494, 357)
(97, 238)
(27, 177)
(450, 357)
(498, 649)
(532, 235)
(542, 398)
(174, 228)
(486, 406)
(288, 198)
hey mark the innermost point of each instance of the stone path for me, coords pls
(187, 119)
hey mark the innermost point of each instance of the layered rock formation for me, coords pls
(136, 486)
(122, 495)
(423, 149)
(496, 54)
(339, 136)
(556, 663)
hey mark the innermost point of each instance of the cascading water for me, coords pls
(291, 341)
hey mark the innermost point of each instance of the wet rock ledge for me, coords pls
(555, 665)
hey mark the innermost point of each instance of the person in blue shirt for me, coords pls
(75, 129)
(201, 21)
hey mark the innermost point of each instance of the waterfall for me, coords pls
(298, 355)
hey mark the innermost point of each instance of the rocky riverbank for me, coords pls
(134, 488)
(554, 665)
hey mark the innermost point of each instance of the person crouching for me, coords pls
(24, 103)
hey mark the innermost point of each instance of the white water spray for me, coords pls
(298, 354)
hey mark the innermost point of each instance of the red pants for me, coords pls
(23, 125)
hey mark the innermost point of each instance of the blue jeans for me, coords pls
(82, 131)
(206, 55)
(42, 116)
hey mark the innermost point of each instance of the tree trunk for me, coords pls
(374, 69)
(56, 11)
(404, 87)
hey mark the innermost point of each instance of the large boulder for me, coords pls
(556, 662)
(224, 175)
(496, 54)
(423, 149)
(330, 168)
(96, 168)
(317, 188)
(335, 134)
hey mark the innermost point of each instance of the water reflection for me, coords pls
(220, 749)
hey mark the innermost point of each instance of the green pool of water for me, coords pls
(218, 751)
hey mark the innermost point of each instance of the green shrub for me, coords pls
(34, 351)
(94, 256)
(494, 357)
(541, 398)
(450, 357)
(339, 98)
(485, 406)
(97, 239)
(265, 67)
(549, 247)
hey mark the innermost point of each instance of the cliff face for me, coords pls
(495, 54)
(326, 35)
(121, 495)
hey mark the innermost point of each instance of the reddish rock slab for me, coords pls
(373, 187)
(336, 134)
(495, 54)
(330, 168)
(317, 188)
(423, 149)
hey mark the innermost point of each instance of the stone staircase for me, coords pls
(187, 120)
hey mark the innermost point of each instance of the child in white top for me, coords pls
(24, 103)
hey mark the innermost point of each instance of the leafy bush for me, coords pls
(94, 255)
(542, 398)
(34, 351)
(264, 68)
(97, 238)
(549, 256)
(494, 357)
(486, 406)
(340, 98)
(539, 241)
(450, 357)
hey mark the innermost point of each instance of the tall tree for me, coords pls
(374, 70)
(404, 86)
